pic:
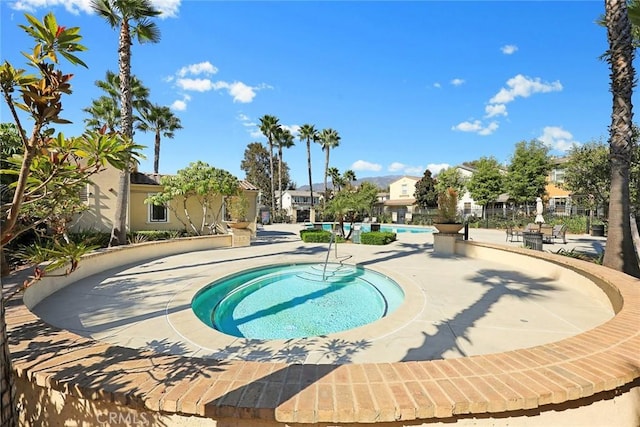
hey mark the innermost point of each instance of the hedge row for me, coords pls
(377, 238)
(317, 236)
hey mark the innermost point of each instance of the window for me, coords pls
(557, 176)
(158, 213)
(84, 195)
(404, 189)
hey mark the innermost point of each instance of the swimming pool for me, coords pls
(293, 301)
(394, 228)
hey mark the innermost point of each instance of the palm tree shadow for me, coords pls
(498, 284)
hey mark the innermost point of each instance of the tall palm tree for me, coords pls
(329, 139)
(132, 19)
(160, 121)
(336, 179)
(105, 111)
(308, 133)
(349, 176)
(284, 139)
(269, 126)
(620, 254)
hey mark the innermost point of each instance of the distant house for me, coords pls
(101, 196)
(401, 203)
(297, 204)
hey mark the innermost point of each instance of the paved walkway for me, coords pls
(454, 306)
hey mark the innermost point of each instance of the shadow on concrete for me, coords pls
(498, 284)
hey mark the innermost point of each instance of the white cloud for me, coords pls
(509, 49)
(457, 82)
(406, 169)
(195, 69)
(414, 170)
(241, 92)
(197, 85)
(557, 138)
(363, 165)
(477, 127)
(522, 86)
(437, 85)
(491, 128)
(436, 168)
(72, 6)
(495, 110)
(292, 128)
(256, 133)
(169, 8)
(396, 166)
(180, 104)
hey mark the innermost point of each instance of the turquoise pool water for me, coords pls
(293, 301)
(394, 228)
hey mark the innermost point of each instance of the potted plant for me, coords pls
(237, 208)
(447, 219)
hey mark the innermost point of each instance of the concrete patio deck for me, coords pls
(454, 306)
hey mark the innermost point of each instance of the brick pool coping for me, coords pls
(599, 360)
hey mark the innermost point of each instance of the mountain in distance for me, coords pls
(381, 182)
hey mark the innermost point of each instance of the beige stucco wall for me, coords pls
(101, 200)
(395, 188)
(103, 193)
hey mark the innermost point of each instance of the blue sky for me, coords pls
(408, 85)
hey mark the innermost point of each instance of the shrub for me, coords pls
(377, 238)
(93, 237)
(152, 235)
(318, 236)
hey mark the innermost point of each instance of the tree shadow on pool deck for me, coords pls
(499, 284)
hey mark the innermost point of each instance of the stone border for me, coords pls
(577, 369)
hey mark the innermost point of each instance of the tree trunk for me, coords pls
(620, 252)
(309, 167)
(156, 154)
(119, 230)
(273, 191)
(8, 407)
(326, 172)
(280, 178)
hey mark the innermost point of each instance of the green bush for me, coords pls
(377, 238)
(318, 236)
(152, 235)
(93, 237)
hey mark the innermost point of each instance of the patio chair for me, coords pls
(560, 232)
(547, 233)
(513, 233)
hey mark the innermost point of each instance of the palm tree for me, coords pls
(269, 126)
(131, 19)
(105, 111)
(336, 179)
(308, 133)
(349, 176)
(159, 120)
(284, 139)
(329, 139)
(620, 253)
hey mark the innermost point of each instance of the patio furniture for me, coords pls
(547, 233)
(559, 232)
(513, 233)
